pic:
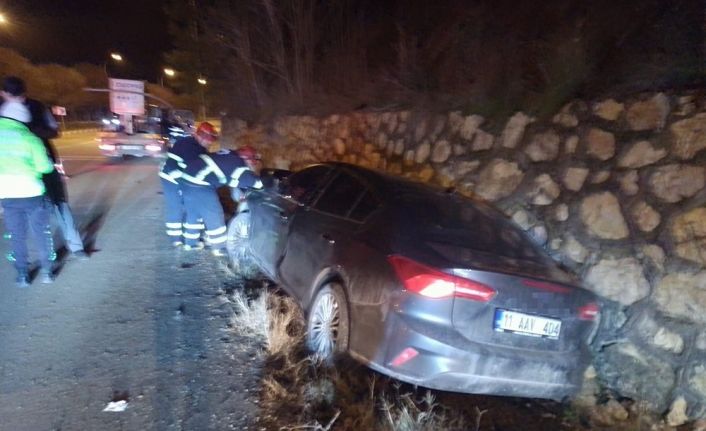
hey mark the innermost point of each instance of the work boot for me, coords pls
(219, 252)
(45, 276)
(177, 244)
(22, 279)
(79, 255)
(197, 246)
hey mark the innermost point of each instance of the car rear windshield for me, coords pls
(452, 219)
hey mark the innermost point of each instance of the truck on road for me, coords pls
(150, 136)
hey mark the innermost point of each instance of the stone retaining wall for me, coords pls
(615, 190)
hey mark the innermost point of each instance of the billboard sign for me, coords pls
(127, 97)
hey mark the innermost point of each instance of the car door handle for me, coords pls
(328, 238)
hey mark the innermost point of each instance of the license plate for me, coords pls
(131, 147)
(526, 324)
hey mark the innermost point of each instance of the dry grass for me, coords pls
(250, 318)
(300, 392)
(404, 413)
(273, 319)
(285, 325)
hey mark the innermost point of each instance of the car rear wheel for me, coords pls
(327, 324)
(238, 247)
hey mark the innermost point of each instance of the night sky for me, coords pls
(73, 31)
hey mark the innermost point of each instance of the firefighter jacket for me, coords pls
(23, 160)
(183, 150)
(224, 168)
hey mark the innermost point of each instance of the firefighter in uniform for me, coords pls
(184, 149)
(200, 180)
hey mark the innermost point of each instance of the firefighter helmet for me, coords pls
(207, 131)
(247, 152)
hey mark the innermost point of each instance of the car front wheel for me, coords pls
(238, 246)
(327, 324)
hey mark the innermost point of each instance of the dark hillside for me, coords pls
(490, 57)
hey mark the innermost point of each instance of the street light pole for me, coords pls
(116, 57)
(202, 81)
(167, 71)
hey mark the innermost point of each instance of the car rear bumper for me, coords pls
(141, 152)
(478, 368)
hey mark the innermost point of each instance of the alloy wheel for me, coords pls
(325, 325)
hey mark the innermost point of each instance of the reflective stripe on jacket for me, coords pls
(224, 168)
(184, 149)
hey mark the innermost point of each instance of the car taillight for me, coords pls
(431, 283)
(589, 311)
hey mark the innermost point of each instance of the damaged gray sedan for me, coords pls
(418, 283)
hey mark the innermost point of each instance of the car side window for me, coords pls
(365, 206)
(303, 185)
(340, 196)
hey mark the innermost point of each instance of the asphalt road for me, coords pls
(138, 322)
(79, 152)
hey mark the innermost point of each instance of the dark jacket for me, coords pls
(184, 149)
(43, 125)
(224, 168)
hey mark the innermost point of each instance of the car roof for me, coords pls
(394, 187)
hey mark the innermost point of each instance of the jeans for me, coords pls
(32, 213)
(56, 193)
(202, 203)
(65, 219)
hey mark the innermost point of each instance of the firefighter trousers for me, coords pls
(202, 203)
(173, 210)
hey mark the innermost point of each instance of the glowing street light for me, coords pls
(3, 19)
(115, 57)
(202, 81)
(167, 71)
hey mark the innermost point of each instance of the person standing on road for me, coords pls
(23, 161)
(184, 149)
(201, 179)
(43, 124)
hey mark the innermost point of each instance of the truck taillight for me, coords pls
(431, 283)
